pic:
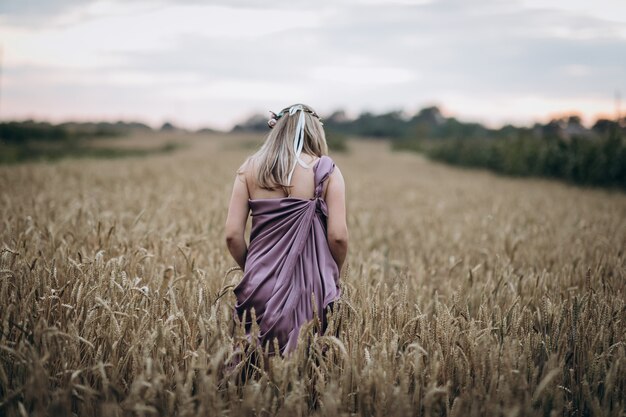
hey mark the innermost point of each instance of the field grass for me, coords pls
(467, 294)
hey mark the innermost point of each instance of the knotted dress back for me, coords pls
(288, 264)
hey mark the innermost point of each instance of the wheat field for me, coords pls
(466, 293)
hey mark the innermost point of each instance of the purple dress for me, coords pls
(288, 260)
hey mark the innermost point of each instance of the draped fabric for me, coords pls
(288, 264)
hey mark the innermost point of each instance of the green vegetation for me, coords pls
(40, 141)
(600, 161)
(22, 153)
(336, 142)
(562, 148)
(428, 122)
(19, 132)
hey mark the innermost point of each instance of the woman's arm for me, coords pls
(235, 228)
(337, 226)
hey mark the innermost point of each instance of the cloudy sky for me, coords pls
(212, 63)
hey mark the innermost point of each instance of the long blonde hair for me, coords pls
(277, 155)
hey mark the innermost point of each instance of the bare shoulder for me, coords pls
(335, 185)
(247, 166)
(244, 172)
(336, 174)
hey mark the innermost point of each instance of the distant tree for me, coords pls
(603, 126)
(430, 115)
(507, 131)
(167, 126)
(255, 123)
(205, 130)
(338, 116)
(574, 120)
(553, 129)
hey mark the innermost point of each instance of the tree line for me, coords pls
(562, 148)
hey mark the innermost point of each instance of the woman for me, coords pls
(299, 237)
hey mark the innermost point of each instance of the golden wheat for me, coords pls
(466, 294)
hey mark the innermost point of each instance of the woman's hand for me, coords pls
(238, 210)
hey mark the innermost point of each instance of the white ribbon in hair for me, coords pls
(298, 140)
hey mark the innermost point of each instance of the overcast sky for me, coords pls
(212, 63)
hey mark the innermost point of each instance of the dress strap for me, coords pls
(325, 166)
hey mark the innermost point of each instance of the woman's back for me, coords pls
(302, 181)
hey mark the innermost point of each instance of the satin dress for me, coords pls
(288, 265)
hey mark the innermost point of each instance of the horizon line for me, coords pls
(199, 126)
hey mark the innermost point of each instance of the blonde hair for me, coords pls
(277, 155)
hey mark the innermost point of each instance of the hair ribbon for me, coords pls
(298, 140)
